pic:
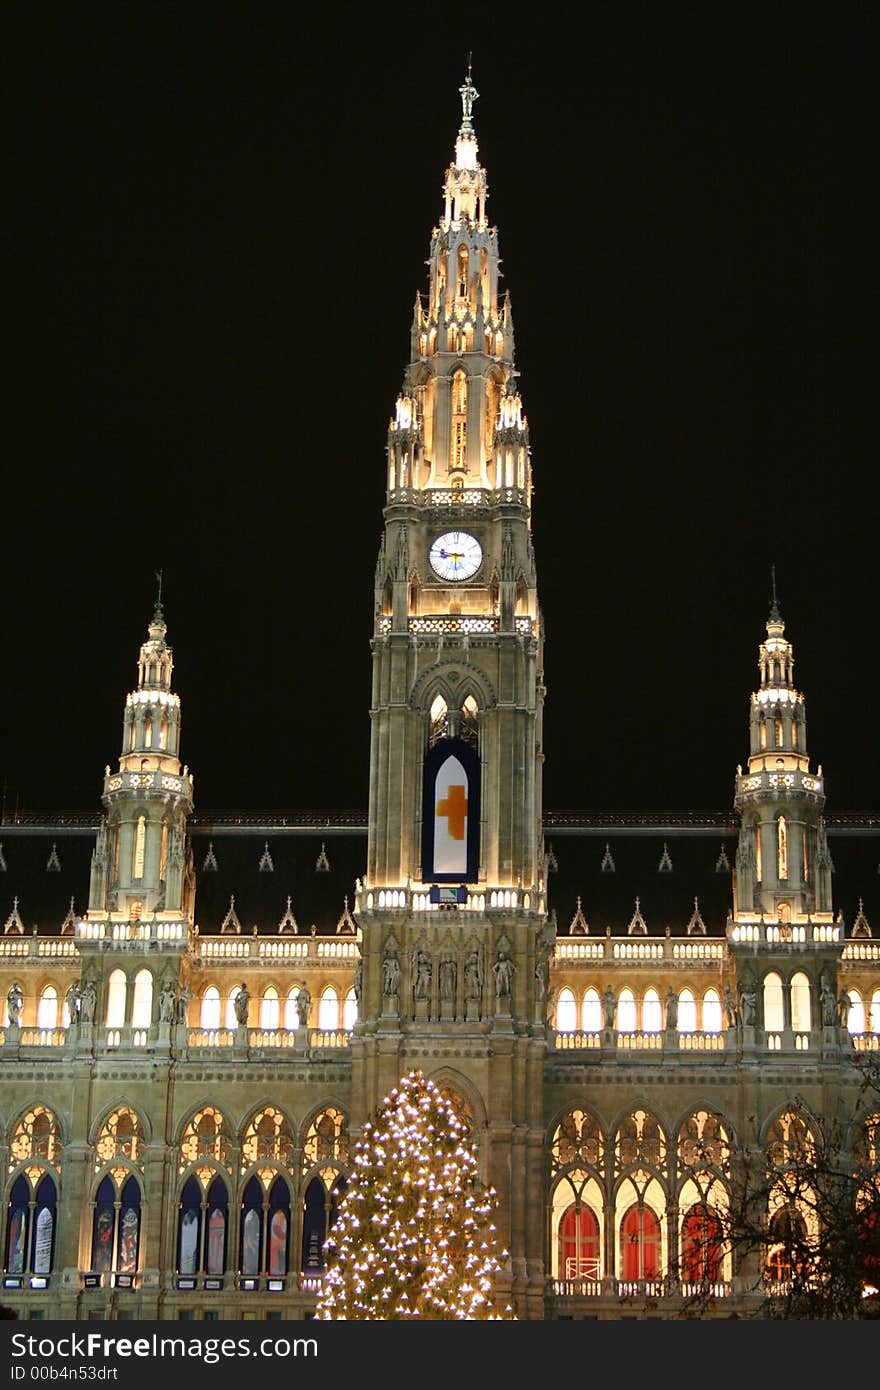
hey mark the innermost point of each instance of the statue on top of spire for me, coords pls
(469, 94)
(775, 614)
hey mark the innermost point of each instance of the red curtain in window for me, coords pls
(640, 1244)
(578, 1244)
(701, 1246)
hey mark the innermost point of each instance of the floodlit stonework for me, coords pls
(179, 1101)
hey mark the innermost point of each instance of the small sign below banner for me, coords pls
(439, 893)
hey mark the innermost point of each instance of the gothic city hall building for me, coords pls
(202, 1012)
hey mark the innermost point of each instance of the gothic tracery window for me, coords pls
(268, 1138)
(121, 1136)
(639, 1140)
(326, 1139)
(438, 726)
(36, 1135)
(206, 1136)
(578, 1138)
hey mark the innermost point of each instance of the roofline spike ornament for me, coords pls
(157, 611)
(775, 614)
(468, 93)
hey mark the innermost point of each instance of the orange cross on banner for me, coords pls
(454, 807)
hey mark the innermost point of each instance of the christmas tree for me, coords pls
(414, 1237)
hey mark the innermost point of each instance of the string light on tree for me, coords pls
(415, 1236)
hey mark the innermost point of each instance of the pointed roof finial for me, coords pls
(775, 614)
(468, 94)
(157, 612)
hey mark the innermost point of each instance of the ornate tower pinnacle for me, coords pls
(781, 853)
(142, 863)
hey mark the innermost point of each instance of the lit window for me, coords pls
(117, 989)
(328, 1009)
(711, 1012)
(856, 1020)
(626, 1012)
(652, 1014)
(773, 1015)
(142, 1003)
(350, 1011)
(291, 1017)
(801, 1020)
(269, 1008)
(566, 1012)
(47, 1008)
(210, 1011)
(592, 1011)
(687, 1012)
(137, 870)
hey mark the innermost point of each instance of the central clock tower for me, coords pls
(452, 907)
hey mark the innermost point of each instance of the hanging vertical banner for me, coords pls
(451, 813)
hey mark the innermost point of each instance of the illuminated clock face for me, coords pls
(455, 555)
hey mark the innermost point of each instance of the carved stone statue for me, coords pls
(503, 971)
(14, 1000)
(473, 976)
(181, 1004)
(358, 980)
(609, 1005)
(843, 1008)
(828, 1003)
(748, 1005)
(730, 1006)
(303, 1004)
(540, 978)
(242, 1004)
(89, 1000)
(167, 1001)
(390, 973)
(671, 1009)
(421, 975)
(73, 999)
(448, 977)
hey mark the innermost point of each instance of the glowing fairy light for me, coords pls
(414, 1237)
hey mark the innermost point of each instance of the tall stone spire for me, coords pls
(780, 800)
(142, 862)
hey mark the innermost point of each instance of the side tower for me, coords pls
(141, 863)
(783, 869)
(453, 905)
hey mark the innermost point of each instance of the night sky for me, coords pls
(216, 221)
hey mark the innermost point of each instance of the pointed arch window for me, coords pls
(269, 1008)
(148, 731)
(701, 1245)
(801, 1013)
(777, 724)
(36, 1135)
(782, 846)
(774, 1018)
(711, 1011)
(458, 441)
(462, 264)
(592, 1011)
(47, 1008)
(640, 1243)
(251, 1227)
(626, 1012)
(116, 1226)
(163, 732)
(438, 723)
(31, 1224)
(326, 1139)
(566, 1012)
(856, 1018)
(117, 991)
(652, 1013)
(231, 1020)
(328, 1009)
(268, 1138)
(320, 1211)
(875, 1011)
(468, 731)
(142, 1001)
(140, 840)
(758, 863)
(209, 1013)
(350, 1011)
(579, 1245)
(121, 1136)
(206, 1136)
(163, 854)
(687, 1012)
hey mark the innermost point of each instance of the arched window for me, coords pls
(875, 1011)
(592, 1011)
(350, 1011)
(470, 715)
(269, 1008)
(438, 720)
(251, 1236)
(117, 989)
(640, 1243)
(31, 1224)
(217, 1209)
(121, 1136)
(268, 1138)
(140, 837)
(279, 1229)
(801, 1016)
(320, 1209)
(163, 732)
(687, 1012)
(47, 1008)
(36, 1136)
(578, 1237)
(701, 1245)
(163, 854)
(782, 846)
(209, 1014)
(116, 1227)
(778, 731)
(758, 859)
(566, 1012)
(206, 1136)
(148, 731)
(326, 1139)
(626, 1012)
(652, 1013)
(458, 442)
(787, 1239)
(711, 1011)
(328, 1009)
(142, 1003)
(856, 1019)
(189, 1224)
(462, 272)
(773, 1015)
(291, 1017)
